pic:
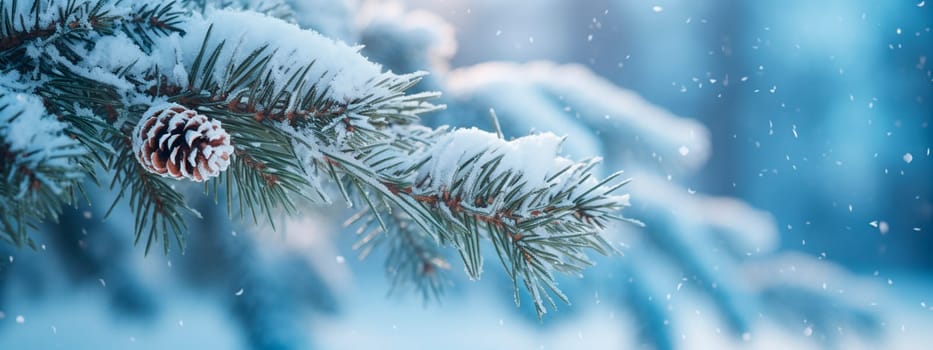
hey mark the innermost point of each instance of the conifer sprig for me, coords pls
(305, 114)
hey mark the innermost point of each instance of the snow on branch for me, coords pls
(290, 48)
(288, 96)
(300, 107)
(276, 8)
(40, 164)
(541, 212)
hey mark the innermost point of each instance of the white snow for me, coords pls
(32, 127)
(535, 155)
(535, 158)
(338, 68)
(111, 53)
(348, 74)
(38, 138)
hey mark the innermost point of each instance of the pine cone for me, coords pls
(177, 142)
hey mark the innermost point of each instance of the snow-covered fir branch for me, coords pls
(302, 112)
(40, 165)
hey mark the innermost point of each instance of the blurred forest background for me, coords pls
(781, 159)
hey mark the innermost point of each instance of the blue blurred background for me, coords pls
(851, 77)
(782, 166)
